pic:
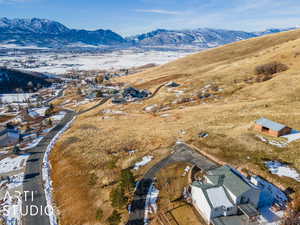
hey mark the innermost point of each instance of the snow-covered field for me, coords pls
(9, 98)
(61, 63)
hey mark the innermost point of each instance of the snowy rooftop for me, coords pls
(218, 197)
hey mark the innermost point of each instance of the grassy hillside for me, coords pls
(220, 93)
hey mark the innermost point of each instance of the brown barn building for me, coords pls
(271, 128)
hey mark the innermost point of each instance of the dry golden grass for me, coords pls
(98, 144)
(185, 214)
(170, 182)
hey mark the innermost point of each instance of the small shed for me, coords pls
(271, 128)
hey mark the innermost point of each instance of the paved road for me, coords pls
(95, 106)
(33, 182)
(182, 153)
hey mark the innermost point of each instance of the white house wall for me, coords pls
(200, 202)
(234, 198)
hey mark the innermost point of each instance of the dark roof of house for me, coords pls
(224, 176)
(249, 210)
(270, 124)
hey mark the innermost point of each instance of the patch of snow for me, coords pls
(131, 152)
(294, 136)
(10, 164)
(39, 111)
(270, 195)
(33, 144)
(10, 98)
(57, 117)
(15, 181)
(282, 169)
(47, 130)
(151, 108)
(179, 142)
(150, 204)
(110, 111)
(279, 144)
(165, 115)
(270, 217)
(145, 160)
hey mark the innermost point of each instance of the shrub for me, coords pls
(93, 179)
(114, 219)
(118, 198)
(99, 214)
(127, 180)
(112, 164)
(271, 68)
(69, 141)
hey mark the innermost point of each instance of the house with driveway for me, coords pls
(225, 197)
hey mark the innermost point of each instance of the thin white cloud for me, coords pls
(13, 1)
(159, 11)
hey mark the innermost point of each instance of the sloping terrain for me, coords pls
(12, 81)
(220, 93)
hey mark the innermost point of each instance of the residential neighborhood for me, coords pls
(147, 112)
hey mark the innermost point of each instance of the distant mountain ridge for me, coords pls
(52, 34)
(47, 33)
(202, 37)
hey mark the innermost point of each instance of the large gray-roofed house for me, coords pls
(230, 180)
(222, 192)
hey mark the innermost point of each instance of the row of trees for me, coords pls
(120, 195)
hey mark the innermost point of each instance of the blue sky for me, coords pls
(129, 17)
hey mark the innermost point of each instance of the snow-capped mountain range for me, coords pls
(46, 33)
(52, 34)
(202, 37)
